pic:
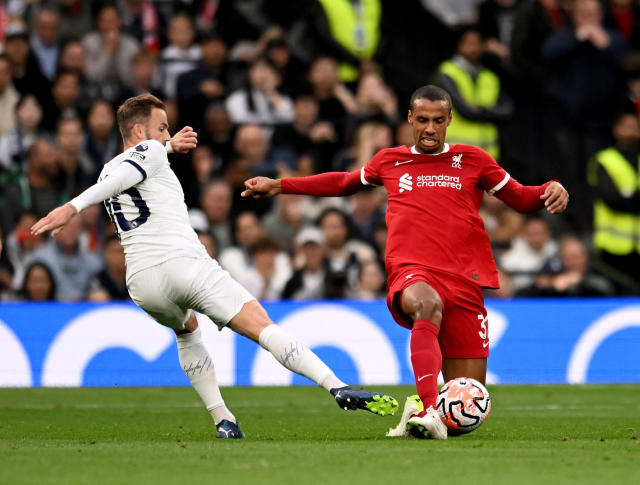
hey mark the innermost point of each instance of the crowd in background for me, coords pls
(297, 87)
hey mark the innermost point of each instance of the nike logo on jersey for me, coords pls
(402, 163)
(408, 276)
(485, 345)
(422, 377)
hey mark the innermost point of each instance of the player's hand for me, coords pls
(259, 187)
(55, 220)
(555, 198)
(185, 140)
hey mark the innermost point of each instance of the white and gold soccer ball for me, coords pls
(463, 404)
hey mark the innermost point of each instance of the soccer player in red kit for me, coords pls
(438, 256)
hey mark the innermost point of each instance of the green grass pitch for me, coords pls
(535, 434)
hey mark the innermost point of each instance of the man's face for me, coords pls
(429, 120)
(69, 136)
(470, 46)
(627, 132)
(17, 50)
(47, 27)
(157, 128)
(66, 90)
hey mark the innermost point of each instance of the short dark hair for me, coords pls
(432, 93)
(136, 110)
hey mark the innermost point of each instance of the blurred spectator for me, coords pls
(366, 211)
(345, 254)
(284, 219)
(209, 243)
(305, 134)
(216, 207)
(370, 282)
(142, 20)
(375, 100)
(27, 77)
(110, 283)
(75, 18)
(102, 142)
(179, 57)
(45, 40)
(348, 31)
(496, 20)
(335, 101)
(74, 161)
(143, 69)
(454, 13)
(20, 244)
(109, 52)
(206, 83)
(236, 259)
(219, 131)
(8, 97)
(47, 187)
(265, 278)
(501, 222)
(261, 102)
(370, 138)
(39, 283)
(72, 267)
(403, 134)
(586, 61)
(535, 158)
(569, 274)
(65, 94)
(529, 251)
(73, 57)
(613, 175)
(252, 144)
(290, 68)
(15, 143)
(204, 167)
(624, 16)
(506, 286)
(479, 101)
(308, 282)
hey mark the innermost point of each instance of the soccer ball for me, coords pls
(463, 405)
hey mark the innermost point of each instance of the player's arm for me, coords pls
(530, 198)
(124, 176)
(330, 184)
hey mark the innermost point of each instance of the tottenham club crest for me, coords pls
(143, 147)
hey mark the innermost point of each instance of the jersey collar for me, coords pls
(445, 149)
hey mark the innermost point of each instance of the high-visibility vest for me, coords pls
(613, 231)
(483, 91)
(357, 29)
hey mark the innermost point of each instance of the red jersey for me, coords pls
(432, 213)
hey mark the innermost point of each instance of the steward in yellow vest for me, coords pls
(478, 101)
(614, 175)
(355, 26)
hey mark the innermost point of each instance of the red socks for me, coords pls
(426, 359)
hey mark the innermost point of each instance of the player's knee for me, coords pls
(426, 307)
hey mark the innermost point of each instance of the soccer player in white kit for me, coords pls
(170, 274)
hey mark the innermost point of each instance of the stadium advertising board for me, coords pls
(532, 341)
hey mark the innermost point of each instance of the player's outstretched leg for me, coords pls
(254, 323)
(198, 366)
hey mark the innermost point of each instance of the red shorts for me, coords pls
(464, 330)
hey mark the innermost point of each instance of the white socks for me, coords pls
(296, 357)
(198, 366)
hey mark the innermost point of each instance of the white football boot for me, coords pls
(413, 405)
(429, 426)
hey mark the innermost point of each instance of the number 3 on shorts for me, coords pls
(484, 334)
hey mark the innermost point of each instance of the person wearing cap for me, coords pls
(309, 281)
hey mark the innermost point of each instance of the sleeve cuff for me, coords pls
(168, 147)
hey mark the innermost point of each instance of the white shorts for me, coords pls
(169, 290)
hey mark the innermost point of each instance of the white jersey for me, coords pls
(151, 217)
